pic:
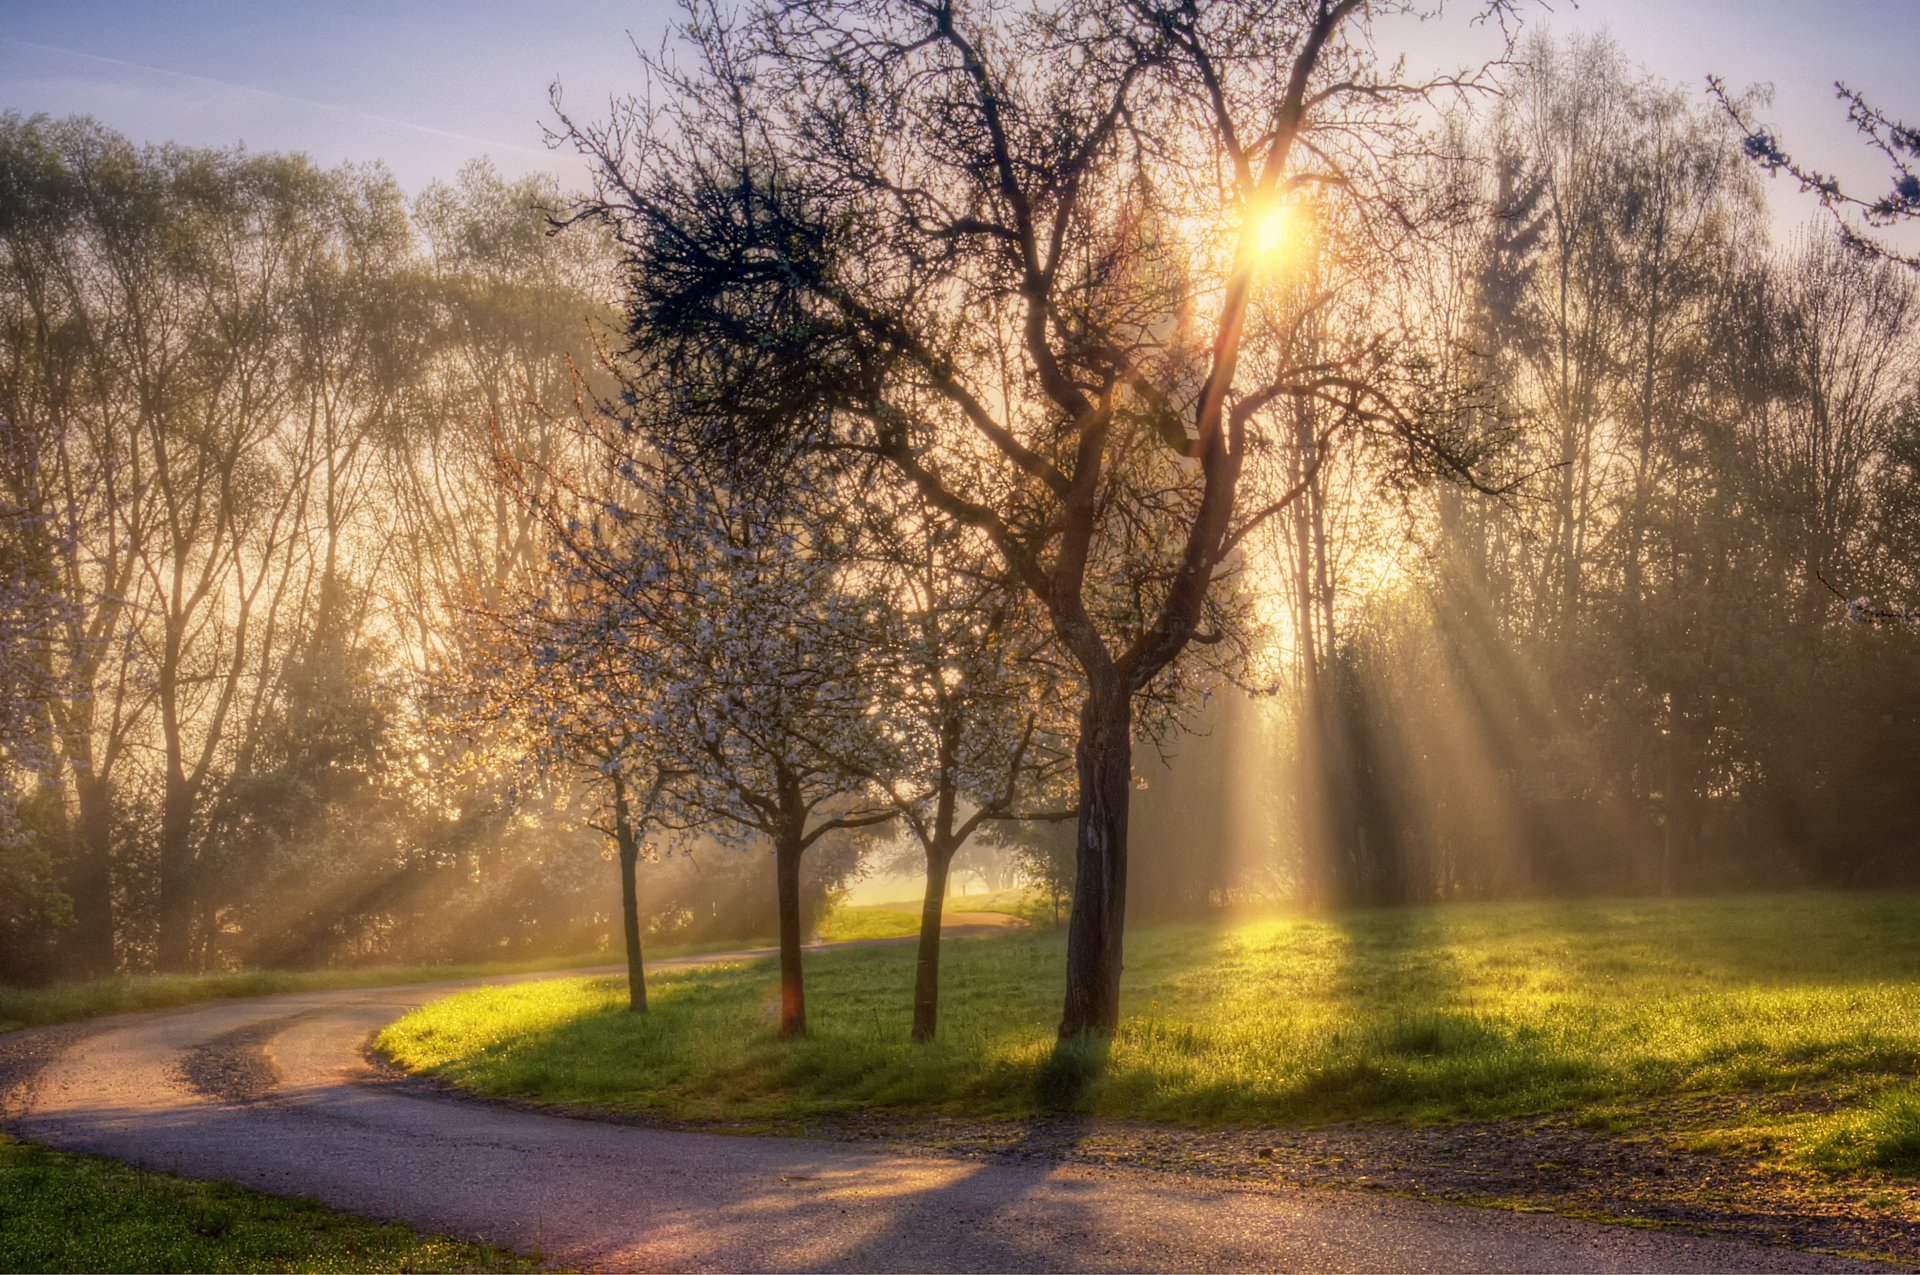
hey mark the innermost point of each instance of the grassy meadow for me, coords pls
(68, 1002)
(1606, 1009)
(65, 1212)
(901, 919)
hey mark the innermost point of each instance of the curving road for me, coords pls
(274, 1093)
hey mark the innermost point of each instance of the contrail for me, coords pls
(283, 97)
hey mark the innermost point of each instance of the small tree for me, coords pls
(732, 610)
(973, 733)
(572, 699)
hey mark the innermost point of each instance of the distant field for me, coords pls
(64, 1212)
(1470, 1012)
(901, 918)
(66, 1002)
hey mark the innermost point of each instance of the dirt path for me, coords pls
(274, 1093)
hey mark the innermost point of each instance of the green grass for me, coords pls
(848, 923)
(66, 1002)
(64, 1212)
(851, 922)
(1466, 1012)
(1881, 1135)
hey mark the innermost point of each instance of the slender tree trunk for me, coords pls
(174, 950)
(1096, 927)
(90, 878)
(926, 977)
(1682, 803)
(793, 992)
(629, 847)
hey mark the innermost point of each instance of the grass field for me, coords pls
(63, 1212)
(845, 923)
(66, 1002)
(1606, 1009)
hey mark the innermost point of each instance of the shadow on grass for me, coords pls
(1065, 1082)
(1418, 1039)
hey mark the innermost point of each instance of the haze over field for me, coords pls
(387, 561)
(1283, 592)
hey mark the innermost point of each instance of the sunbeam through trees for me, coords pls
(1164, 458)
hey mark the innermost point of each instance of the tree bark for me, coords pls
(1682, 814)
(1095, 928)
(90, 878)
(173, 952)
(926, 977)
(793, 992)
(629, 848)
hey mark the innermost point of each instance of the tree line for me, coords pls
(245, 406)
(1645, 669)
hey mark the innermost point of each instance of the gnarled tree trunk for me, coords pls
(1095, 931)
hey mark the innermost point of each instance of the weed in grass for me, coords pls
(1609, 1120)
(1882, 1137)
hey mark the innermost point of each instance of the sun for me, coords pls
(1272, 229)
(1275, 235)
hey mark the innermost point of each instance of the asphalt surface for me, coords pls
(275, 1093)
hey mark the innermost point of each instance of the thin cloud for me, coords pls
(410, 125)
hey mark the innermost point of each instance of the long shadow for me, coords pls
(1414, 1038)
(1815, 938)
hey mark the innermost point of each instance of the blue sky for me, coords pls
(425, 86)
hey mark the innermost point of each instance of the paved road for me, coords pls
(314, 1121)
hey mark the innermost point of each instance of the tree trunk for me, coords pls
(1680, 843)
(926, 977)
(89, 880)
(1095, 928)
(793, 992)
(629, 846)
(174, 951)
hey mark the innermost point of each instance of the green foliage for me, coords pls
(1474, 1011)
(64, 1212)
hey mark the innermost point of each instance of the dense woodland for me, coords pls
(325, 532)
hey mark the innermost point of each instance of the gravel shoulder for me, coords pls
(1641, 1178)
(23, 1054)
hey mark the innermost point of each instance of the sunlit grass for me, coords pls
(1882, 1135)
(66, 1002)
(844, 923)
(853, 922)
(64, 1212)
(1464, 1012)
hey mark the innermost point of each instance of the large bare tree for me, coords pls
(1012, 251)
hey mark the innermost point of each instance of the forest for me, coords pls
(367, 593)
